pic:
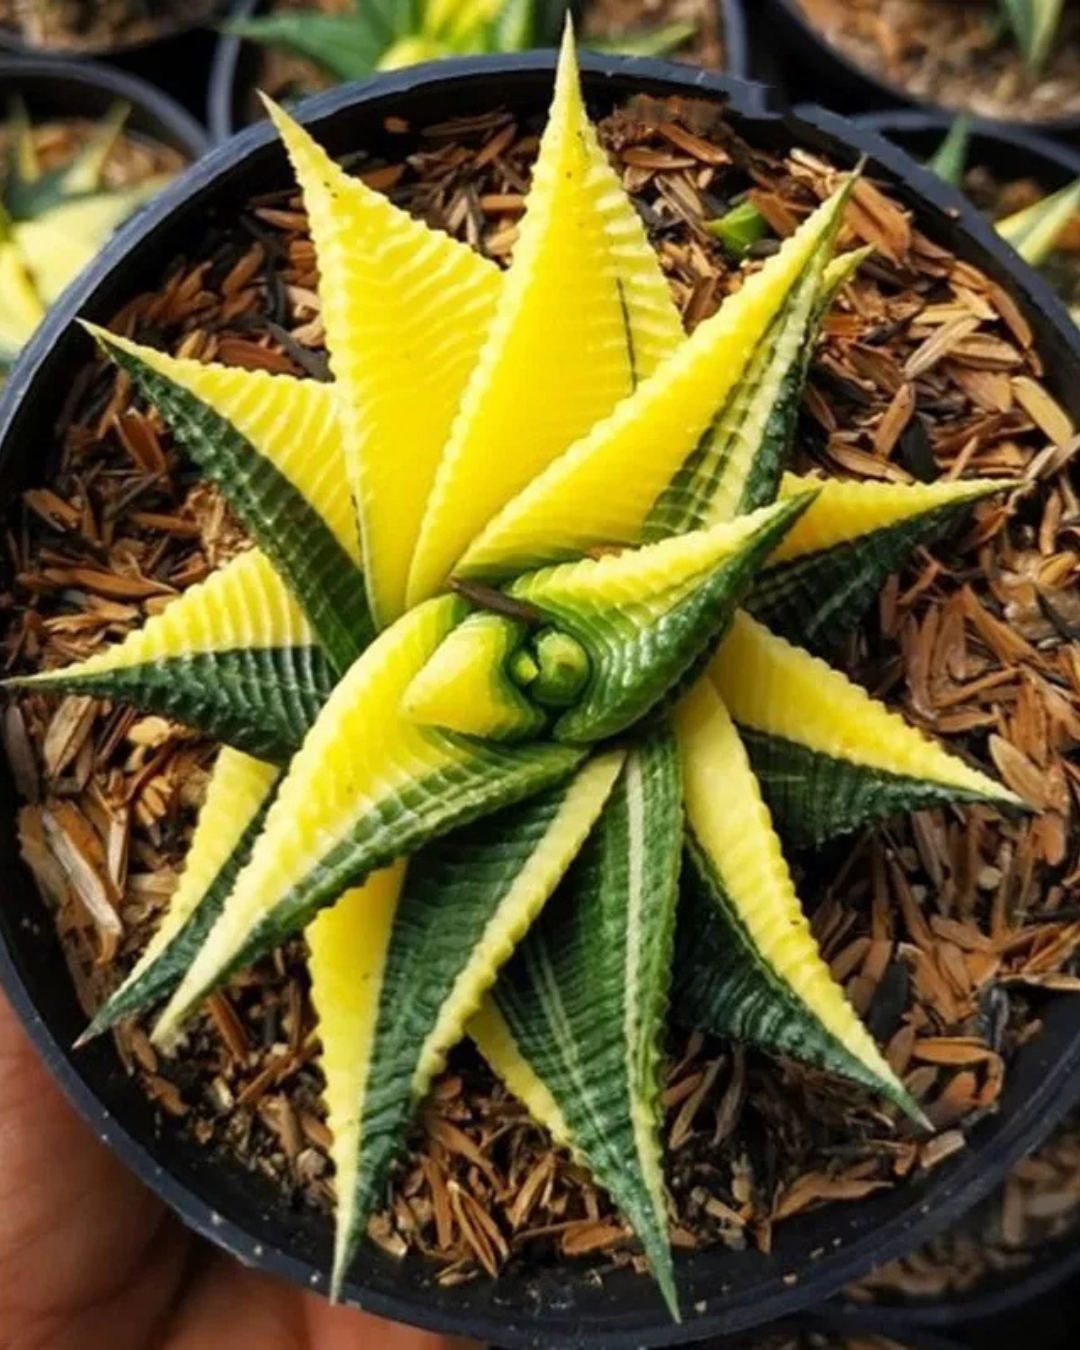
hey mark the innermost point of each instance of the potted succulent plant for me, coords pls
(295, 47)
(84, 148)
(515, 680)
(1006, 60)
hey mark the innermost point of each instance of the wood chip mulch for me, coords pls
(955, 52)
(948, 930)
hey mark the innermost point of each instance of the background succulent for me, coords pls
(52, 222)
(480, 727)
(1034, 24)
(385, 34)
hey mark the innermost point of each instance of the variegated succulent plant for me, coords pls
(388, 34)
(529, 630)
(52, 222)
(1034, 25)
(1035, 231)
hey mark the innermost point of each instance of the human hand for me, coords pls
(90, 1260)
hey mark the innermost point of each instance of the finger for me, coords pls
(67, 1206)
(335, 1328)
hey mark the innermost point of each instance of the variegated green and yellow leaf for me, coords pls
(466, 686)
(753, 970)
(60, 243)
(575, 1019)
(647, 618)
(832, 564)
(584, 310)
(736, 465)
(233, 657)
(273, 444)
(587, 497)
(230, 821)
(30, 192)
(394, 981)
(367, 786)
(406, 318)
(829, 758)
(1035, 231)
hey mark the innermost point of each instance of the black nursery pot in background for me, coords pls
(1007, 150)
(235, 69)
(723, 1292)
(992, 1313)
(174, 59)
(55, 88)
(838, 1332)
(809, 64)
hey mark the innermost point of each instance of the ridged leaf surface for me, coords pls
(829, 757)
(273, 445)
(465, 686)
(233, 657)
(406, 317)
(576, 1017)
(833, 563)
(601, 490)
(736, 465)
(753, 970)
(648, 617)
(395, 980)
(229, 822)
(367, 786)
(583, 310)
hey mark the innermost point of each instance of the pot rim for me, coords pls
(175, 125)
(1015, 135)
(895, 93)
(998, 1295)
(221, 87)
(955, 1186)
(11, 42)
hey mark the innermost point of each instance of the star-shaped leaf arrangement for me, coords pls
(565, 649)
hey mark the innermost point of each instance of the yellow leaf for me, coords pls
(406, 310)
(602, 489)
(561, 351)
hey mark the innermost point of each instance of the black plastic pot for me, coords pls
(860, 1325)
(1007, 150)
(176, 59)
(723, 1292)
(811, 63)
(57, 88)
(1005, 1296)
(235, 68)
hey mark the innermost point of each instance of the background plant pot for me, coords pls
(723, 1291)
(840, 1327)
(55, 88)
(810, 63)
(174, 59)
(1005, 1300)
(235, 67)
(1008, 150)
